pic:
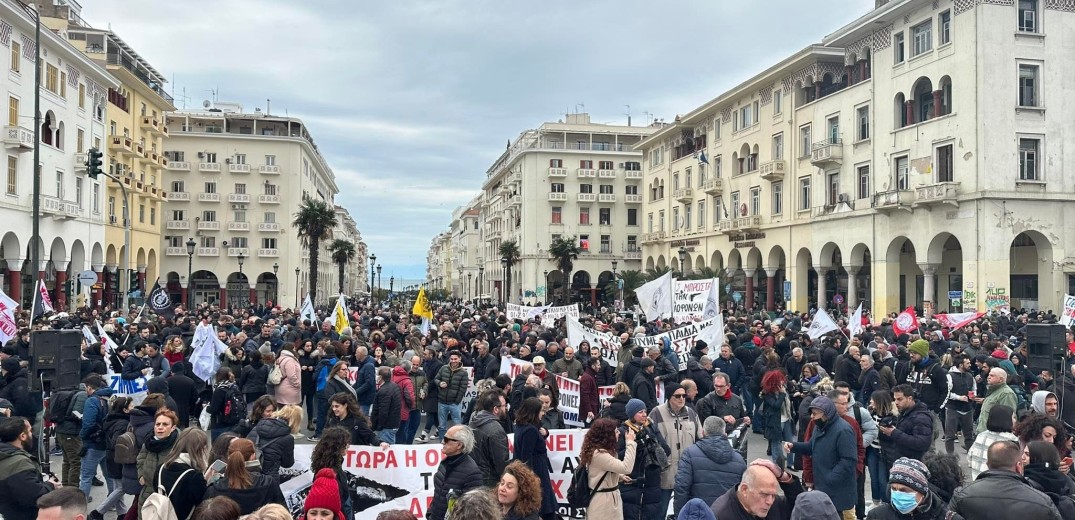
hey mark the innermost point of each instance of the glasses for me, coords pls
(679, 396)
(449, 439)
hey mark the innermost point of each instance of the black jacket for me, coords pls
(114, 426)
(188, 494)
(132, 367)
(253, 378)
(387, 407)
(644, 389)
(277, 445)
(265, 490)
(914, 432)
(15, 387)
(20, 484)
(714, 404)
(490, 446)
(1056, 485)
(184, 391)
(930, 383)
(361, 433)
(1002, 494)
(458, 472)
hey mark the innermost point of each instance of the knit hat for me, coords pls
(647, 362)
(920, 347)
(634, 406)
(999, 354)
(10, 365)
(324, 493)
(910, 473)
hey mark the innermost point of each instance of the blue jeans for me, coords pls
(322, 415)
(387, 435)
(443, 410)
(366, 408)
(406, 432)
(878, 474)
(90, 462)
(666, 497)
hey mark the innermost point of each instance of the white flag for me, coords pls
(713, 335)
(8, 326)
(655, 297)
(712, 302)
(307, 312)
(110, 348)
(205, 359)
(855, 325)
(821, 324)
(90, 340)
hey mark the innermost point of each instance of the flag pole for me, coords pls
(33, 301)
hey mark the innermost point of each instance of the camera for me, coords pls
(887, 421)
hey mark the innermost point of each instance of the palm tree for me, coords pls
(314, 222)
(564, 251)
(631, 280)
(509, 251)
(342, 254)
(654, 273)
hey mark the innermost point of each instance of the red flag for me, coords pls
(959, 320)
(906, 322)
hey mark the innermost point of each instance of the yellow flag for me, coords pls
(340, 315)
(421, 305)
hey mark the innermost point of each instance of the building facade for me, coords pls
(234, 180)
(355, 279)
(439, 265)
(465, 242)
(73, 91)
(909, 159)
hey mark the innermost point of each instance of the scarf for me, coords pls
(346, 384)
(727, 394)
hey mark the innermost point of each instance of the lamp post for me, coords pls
(682, 259)
(35, 239)
(378, 277)
(373, 260)
(391, 282)
(470, 294)
(276, 283)
(190, 270)
(461, 295)
(546, 286)
(615, 281)
(481, 280)
(241, 258)
(298, 302)
(504, 278)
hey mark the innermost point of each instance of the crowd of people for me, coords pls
(835, 412)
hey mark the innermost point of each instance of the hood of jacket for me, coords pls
(1051, 480)
(813, 505)
(481, 418)
(105, 392)
(826, 406)
(259, 485)
(696, 509)
(270, 429)
(399, 373)
(716, 448)
(1037, 401)
(141, 415)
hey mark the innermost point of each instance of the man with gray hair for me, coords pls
(722, 403)
(457, 472)
(365, 381)
(709, 468)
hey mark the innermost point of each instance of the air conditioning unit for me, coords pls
(843, 198)
(621, 166)
(238, 206)
(227, 161)
(201, 155)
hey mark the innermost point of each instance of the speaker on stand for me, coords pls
(55, 364)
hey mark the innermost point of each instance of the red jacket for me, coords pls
(401, 378)
(588, 396)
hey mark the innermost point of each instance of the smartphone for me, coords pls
(1067, 461)
(218, 466)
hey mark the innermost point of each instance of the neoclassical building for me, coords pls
(916, 156)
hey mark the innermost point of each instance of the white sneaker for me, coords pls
(421, 438)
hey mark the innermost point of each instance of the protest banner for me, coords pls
(608, 343)
(682, 339)
(1068, 314)
(689, 299)
(136, 389)
(549, 314)
(401, 476)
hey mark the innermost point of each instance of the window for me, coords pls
(675, 181)
(701, 213)
(270, 160)
(834, 188)
(557, 187)
(863, 114)
(178, 214)
(604, 216)
(240, 158)
(208, 241)
(778, 198)
(701, 174)
(649, 223)
(686, 216)
(661, 221)
(237, 243)
(755, 200)
(584, 216)
(209, 216)
(210, 157)
(632, 217)
(80, 136)
(944, 163)
(112, 209)
(178, 186)
(12, 175)
(16, 56)
(778, 146)
(557, 215)
(606, 189)
(78, 191)
(804, 141)
(1028, 159)
(944, 27)
(756, 112)
(1028, 85)
(922, 37)
(735, 204)
(59, 184)
(556, 163)
(687, 178)
(13, 111)
(675, 219)
(81, 95)
(585, 188)
(63, 85)
(902, 174)
(586, 164)
(745, 117)
(897, 48)
(210, 187)
(238, 216)
(863, 185)
(605, 165)
(268, 243)
(716, 166)
(834, 130)
(778, 102)
(584, 242)
(632, 242)
(141, 213)
(656, 157)
(52, 79)
(716, 129)
(96, 203)
(631, 189)
(718, 207)
(632, 166)
(804, 193)
(1028, 17)
(240, 188)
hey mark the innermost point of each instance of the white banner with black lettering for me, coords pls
(689, 299)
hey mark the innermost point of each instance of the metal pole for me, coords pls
(35, 240)
(126, 280)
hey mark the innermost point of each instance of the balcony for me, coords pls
(606, 174)
(683, 195)
(120, 145)
(269, 199)
(208, 225)
(516, 178)
(209, 167)
(80, 161)
(236, 251)
(557, 172)
(827, 153)
(268, 253)
(175, 251)
(606, 197)
(208, 251)
(18, 138)
(557, 196)
(773, 171)
(140, 150)
(179, 196)
(713, 186)
(60, 208)
(208, 197)
(741, 224)
(586, 173)
(632, 199)
(269, 226)
(177, 224)
(587, 197)
(269, 169)
(939, 193)
(178, 166)
(633, 174)
(515, 200)
(154, 159)
(238, 168)
(162, 161)
(241, 198)
(886, 201)
(151, 124)
(238, 226)
(635, 254)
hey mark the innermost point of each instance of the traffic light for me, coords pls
(93, 163)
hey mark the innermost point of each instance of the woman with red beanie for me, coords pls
(323, 501)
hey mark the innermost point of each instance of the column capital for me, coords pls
(112, 267)
(97, 268)
(750, 271)
(15, 264)
(853, 269)
(822, 270)
(928, 269)
(142, 269)
(770, 272)
(60, 266)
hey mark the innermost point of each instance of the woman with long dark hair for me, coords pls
(309, 357)
(243, 481)
(329, 453)
(263, 408)
(345, 412)
(519, 492)
(776, 414)
(605, 468)
(1044, 474)
(530, 449)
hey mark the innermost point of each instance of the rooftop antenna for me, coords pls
(184, 98)
(628, 114)
(577, 105)
(649, 117)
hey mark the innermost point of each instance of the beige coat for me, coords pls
(608, 506)
(678, 439)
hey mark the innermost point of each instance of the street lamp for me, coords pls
(391, 282)
(298, 302)
(461, 295)
(276, 284)
(190, 269)
(481, 279)
(682, 260)
(378, 277)
(504, 277)
(619, 296)
(241, 259)
(470, 295)
(546, 285)
(373, 260)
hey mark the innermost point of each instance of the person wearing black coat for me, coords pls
(642, 496)
(643, 387)
(188, 491)
(457, 471)
(21, 481)
(701, 377)
(133, 366)
(253, 378)
(93, 362)
(276, 444)
(385, 416)
(350, 418)
(184, 391)
(141, 421)
(15, 387)
(530, 448)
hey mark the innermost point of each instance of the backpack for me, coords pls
(158, 505)
(259, 450)
(127, 448)
(579, 493)
(234, 408)
(60, 404)
(275, 375)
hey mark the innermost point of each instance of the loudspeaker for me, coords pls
(1045, 343)
(55, 357)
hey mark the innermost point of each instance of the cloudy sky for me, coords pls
(411, 101)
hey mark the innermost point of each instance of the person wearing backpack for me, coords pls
(273, 440)
(254, 377)
(91, 433)
(243, 480)
(115, 424)
(228, 405)
(129, 444)
(321, 378)
(182, 475)
(65, 411)
(604, 469)
(155, 450)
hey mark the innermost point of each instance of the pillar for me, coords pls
(938, 101)
(593, 296)
(850, 71)
(817, 90)
(929, 288)
(253, 295)
(852, 287)
(770, 287)
(800, 294)
(60, 296)
(908, 108)
(822, 302)
(749, 301)
(97, 293)
(14, 278)
(183, 293)
(862, 70)
(142, 279)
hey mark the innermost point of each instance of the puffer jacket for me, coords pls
(366, 382)
(914, 432)
(707, 470)
(141, 421)
(254, 377)
(490, 446)
(94, 413)
(458, 472)
(115, 425)
(273, 437)
(696, 509)
(264, 490)
(934, 508)
(406, 387)
(457, 384)
(1056, 485)
(999, 493)
(20, 484)
(15, 387)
